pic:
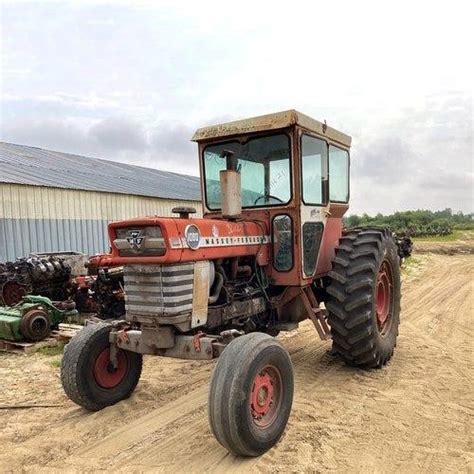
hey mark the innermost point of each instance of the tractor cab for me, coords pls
(285, 170)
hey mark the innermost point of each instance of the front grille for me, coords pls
(158, 290)
(140, 241)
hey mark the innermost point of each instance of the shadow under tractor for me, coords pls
(269, 252)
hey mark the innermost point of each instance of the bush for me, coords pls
(417, 223)
(464, 226)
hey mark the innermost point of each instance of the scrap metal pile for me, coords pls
(48, 276)
(100, 291)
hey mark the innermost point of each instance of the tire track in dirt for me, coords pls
(183, 419)
(414, 414)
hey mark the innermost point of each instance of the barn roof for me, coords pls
(20, 164)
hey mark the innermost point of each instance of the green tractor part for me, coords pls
(33, 318)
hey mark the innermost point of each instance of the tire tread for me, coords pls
(351, 305)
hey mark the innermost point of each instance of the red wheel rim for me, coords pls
(12, 293)
(265, 396)
(105, 374)
(383, 297)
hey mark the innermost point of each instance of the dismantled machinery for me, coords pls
(405, 246)
(101, 291)
(267, 253)
(33, 318)
(46, 276)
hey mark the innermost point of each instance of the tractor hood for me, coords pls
(161, 240)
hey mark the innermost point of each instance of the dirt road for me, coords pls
(415, 414)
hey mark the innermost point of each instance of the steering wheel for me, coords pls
(268, 196)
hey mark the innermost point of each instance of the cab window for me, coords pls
(313, 169)
(264, 166)
(338, 174)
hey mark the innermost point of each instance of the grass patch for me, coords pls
(455, 235)
(51, 351)
(55, 353)
(409, 265)
(56, 363)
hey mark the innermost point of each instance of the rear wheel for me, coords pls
(87, 374)
(364, 297)
(251, 394)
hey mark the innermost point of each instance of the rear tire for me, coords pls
(251, 394)
(364, 297)
(87, 375)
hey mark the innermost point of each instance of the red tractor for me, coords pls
(269, 253)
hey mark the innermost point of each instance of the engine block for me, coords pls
(48, 276)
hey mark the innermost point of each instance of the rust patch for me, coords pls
(274, 121)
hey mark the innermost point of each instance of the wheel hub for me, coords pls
(383, 296)
(265, 396)
(262, 393)
(105, 374)
(38, 325)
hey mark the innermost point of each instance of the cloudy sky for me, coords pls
(130, 81)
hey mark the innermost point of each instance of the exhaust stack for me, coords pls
(230, 187)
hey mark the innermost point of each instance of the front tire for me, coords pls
(251, 394)
(87, 376)
(364, 297)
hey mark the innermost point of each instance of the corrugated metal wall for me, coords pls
(41, 219)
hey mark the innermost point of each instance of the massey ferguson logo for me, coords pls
(135, 239)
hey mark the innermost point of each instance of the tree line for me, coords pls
(416, 223)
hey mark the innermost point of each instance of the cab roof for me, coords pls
(274, 121)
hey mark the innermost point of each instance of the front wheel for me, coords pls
(87, 375)
(251, 394)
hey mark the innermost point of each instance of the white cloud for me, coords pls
(131, 80)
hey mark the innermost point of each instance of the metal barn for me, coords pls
(52, 201)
